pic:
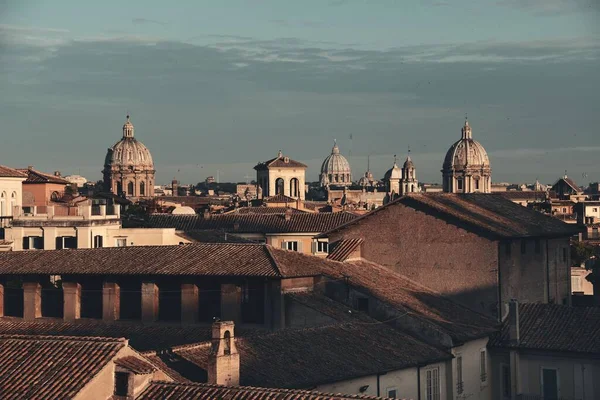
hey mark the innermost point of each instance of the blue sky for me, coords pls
(222, 85)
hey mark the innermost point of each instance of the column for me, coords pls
(1, 299)
(71, 301)
(111, 301)
(32, 300)
(149, 302)
(231, 307)
(189, 303)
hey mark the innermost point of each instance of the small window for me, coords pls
(122, 384)
(392, 393)
(564, 210)
(66, 242)
(33, 243)
(433, 384)
(506, 389)
(121, 242)
(538, 246)
(459, 375)
(523, 246)
(98, 241)
(476, 184)
(322, 247)
(293, 246)
(227, 343)
(362, 304)
(483, 365)
(459, 184)
(595, 209)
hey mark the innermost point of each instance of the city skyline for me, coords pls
(210, 88)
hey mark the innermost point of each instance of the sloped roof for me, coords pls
(52, 367)
(490, 215)
(142, 337)
(554, 327)
(196, 259)
(303, 358)
(280, 198)
(7, 172)
(570, 182)
(204, 391)
(524, 195)
(340, 250)
(265, 210)
(280, 162)
(135, 365)
(253, 223)
(34, 176)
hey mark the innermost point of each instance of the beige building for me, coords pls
(466, 167)
(11, 191)
(128, 167)
(281, 176)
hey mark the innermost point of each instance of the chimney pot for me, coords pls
(30, 167)
(56, 173)
(288, 214)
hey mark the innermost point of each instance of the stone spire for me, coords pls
(466, 130)
(335, 149)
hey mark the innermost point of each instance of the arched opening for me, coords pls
(13, 203)
(227, 343)
(279, 186)
(294, 187)
(142, 189)
(119, 188)
(2, 204)
(130, 189)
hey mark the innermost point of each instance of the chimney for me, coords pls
(223, 360)
(288, 214)
(175, 187)
(56, 173)
(30, 167)
(513, 322)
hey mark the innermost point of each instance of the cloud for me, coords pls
(550, 7)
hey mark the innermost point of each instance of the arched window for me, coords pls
(3, 204)
(13, 203)
(141, 156)
(294, 187)
(142, 189)
(227, 343)
(130, 189)
(279, 186)
(129, 155)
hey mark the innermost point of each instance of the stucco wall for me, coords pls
(8, 186)
(41, 192)
(304, 241)
(438, 255)
(474, 387)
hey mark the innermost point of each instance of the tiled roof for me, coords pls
(34, 176)
(196, 259)
(214, 236)
(142, 337)
(302, 358)
(524, 195)
(340, 250)
(7, 172)
(265, 210)
(51, 367)
(570, 182)
(203, 391)
(280, 198)
(135, 365)
(459, 322)
(253, 223)
(486, 214)
(555, 327)
(279, 162)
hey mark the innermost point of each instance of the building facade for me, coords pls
(466, 168)
(281, 176)
(11, 191)
(128, 167)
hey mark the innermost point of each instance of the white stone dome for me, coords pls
(393, 173)
(466, 153)
(129, 152)
(335, 163)
(183, 210)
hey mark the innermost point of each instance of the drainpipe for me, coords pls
(418, 382)
(547, 272)
(378, 385)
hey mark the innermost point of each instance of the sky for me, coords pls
(213, 87)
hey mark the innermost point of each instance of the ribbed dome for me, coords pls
(466, 153)
(129, 152)
(393, 173)
(335, 163)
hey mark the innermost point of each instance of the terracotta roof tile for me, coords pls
(280, 198)
(265, 210)
(51, 367)
(280, 162)
(203, 391)
(486, 214)
(34, 176)
(135, 365)
(555, 328)
(340, 250)
(7, 172)
(524, 195)
(253, 223)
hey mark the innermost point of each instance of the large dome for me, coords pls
(466, 153)
(393, 173)
(129, 152)
(335, 169)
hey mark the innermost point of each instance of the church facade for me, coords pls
(281, 176)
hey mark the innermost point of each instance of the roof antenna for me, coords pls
(394, 159)
(368, 163)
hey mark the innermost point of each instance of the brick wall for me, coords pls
(438, 255)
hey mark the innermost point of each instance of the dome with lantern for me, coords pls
(335, 169)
